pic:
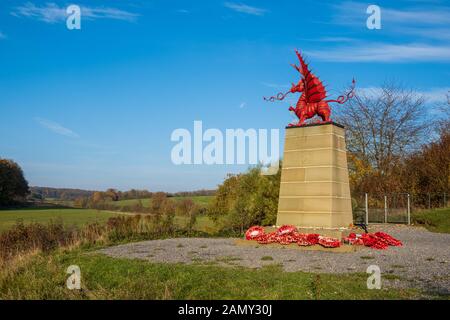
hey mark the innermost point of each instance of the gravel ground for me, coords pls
(422, 262)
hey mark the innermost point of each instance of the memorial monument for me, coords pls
(314, 189)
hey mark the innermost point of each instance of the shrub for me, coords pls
(34, 236)
(247, 199)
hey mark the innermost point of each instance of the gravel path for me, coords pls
(422, 262)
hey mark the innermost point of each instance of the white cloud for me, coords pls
(108, 13)
(330, 39)
(52, 13)
(417, 16)
(436, 95)
(428, 27)
(276, 85)
(352, 13)
(335, 39)
(384, 52)
(432, 95)
(424, 22)
(442, 34)
(56, 128)
(243, 8)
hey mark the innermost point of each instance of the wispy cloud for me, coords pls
(384, 52)
(56, 128)
(439, 16)
(436, 95)
(276, 85)
(329, 39)
(350, 12)
(433, 95)
(184, 11)
(243, 8)
(2, 35)
(52, 13)
(424, 22)
(435, 33)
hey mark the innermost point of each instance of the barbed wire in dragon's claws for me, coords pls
(280, 96)
(345, 97)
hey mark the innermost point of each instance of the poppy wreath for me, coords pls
(328, 242)
(377, 240)
(288, 234)
(254, 232)
(267, 238)
(312, 238)
(286, 229)
(390, 240)
(354, 239)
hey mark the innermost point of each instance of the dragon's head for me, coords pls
(299, 87)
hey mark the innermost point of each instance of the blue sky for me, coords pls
(94, 108)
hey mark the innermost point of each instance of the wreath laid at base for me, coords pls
(288, 234)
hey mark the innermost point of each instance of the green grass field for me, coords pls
(200, 200)
(69, 216)
(44, 277)
(79, 217)
(437, 220)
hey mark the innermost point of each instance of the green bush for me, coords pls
(247, 199)
(23, 238)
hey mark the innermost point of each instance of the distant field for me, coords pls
(69, 216)
(66, 203)
(200, 200)
(79, 217)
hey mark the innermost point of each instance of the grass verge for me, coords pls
(44, 276)
(437, 220)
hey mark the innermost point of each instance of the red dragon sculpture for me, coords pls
(312, 100)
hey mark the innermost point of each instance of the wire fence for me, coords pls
(395, 207)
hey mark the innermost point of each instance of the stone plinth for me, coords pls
(314, 190)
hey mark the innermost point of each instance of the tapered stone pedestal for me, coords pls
(314, 190)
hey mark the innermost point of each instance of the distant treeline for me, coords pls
(59, 193)
(74, 194)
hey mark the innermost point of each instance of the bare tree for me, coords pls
(444, 120)
(385, 124)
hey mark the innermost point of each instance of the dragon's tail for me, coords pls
(280, 96)
(345, 97)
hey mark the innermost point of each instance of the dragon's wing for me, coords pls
(314, 89)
